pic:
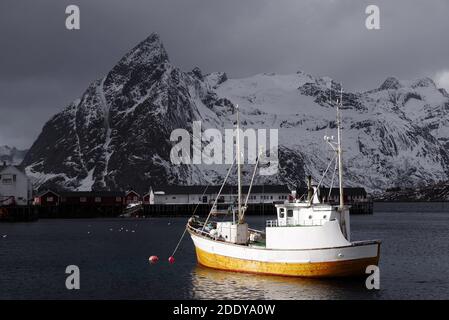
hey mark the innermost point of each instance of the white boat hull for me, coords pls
(323, 262)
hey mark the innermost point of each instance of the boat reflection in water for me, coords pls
(209, 283)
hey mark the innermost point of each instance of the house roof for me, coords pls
(132, 191)
(44, 192)
(73, 194)
(356, 191)
(2, 167)
(200, 189)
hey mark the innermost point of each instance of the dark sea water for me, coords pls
(114, 264)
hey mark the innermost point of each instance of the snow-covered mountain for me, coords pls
(117, 135)
(435, 192)
(11, 155)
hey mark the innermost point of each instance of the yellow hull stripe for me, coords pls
(342, 268)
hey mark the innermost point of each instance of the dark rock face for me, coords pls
(390, 83)
(117, 135)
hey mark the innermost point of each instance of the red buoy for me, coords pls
(153, 259)
(171, 260)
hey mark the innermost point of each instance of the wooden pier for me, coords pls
(362, 207)
(258, 209)
(74, 211)
(203, 209)
(18, 213)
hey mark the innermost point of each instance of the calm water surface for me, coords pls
(112, 255)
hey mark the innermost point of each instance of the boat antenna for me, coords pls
(239, 168)
(339, 149)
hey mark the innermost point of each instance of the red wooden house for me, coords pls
(107, 198)
(132, 196)
(46, 198)
(148, 198)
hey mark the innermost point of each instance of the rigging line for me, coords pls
(324, 174)
(219, 192)
(198, 204)
(185, 229)
(179, 242)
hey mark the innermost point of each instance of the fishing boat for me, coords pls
(308, 238)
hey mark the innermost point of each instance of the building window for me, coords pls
(97, 199)
(7, 178)
(118, 199)
(83, 199)
(135, 198)
(49, 199)
(173, 198)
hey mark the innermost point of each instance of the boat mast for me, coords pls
(339, 149)
(239, 169)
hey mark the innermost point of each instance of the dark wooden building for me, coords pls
(46, 198)
(52, 198)
(350, 194)
(132, 196)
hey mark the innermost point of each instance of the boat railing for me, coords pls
(201, 232)
(271, 223)
(309, 222)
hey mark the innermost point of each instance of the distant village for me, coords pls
(18, 200)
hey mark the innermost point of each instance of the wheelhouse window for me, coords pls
(289, 213)
(281, 213)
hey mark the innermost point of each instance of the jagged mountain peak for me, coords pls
(149, 51)
(395, 84)
(196, 72)
(214, 79)
(444, 92)
(423, 83)
(390, 83)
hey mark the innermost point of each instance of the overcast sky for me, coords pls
(44, 66)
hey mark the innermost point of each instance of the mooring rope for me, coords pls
(185, 229)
